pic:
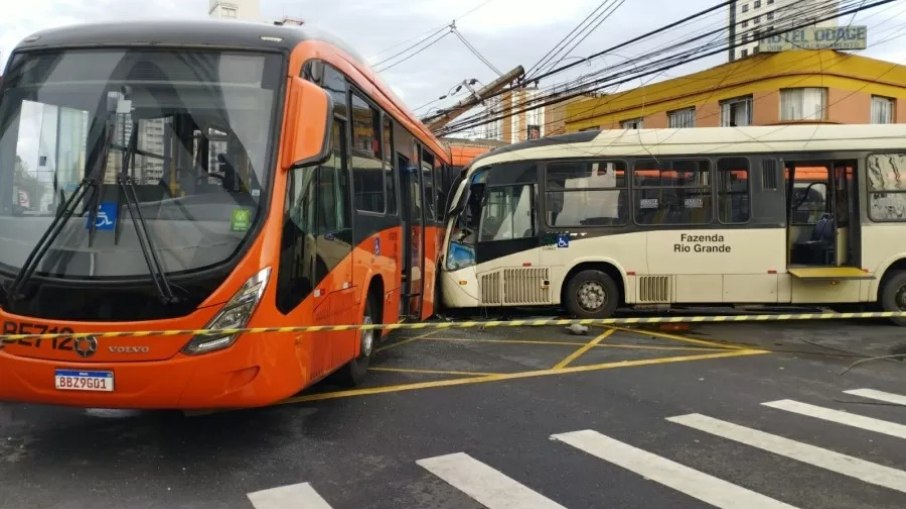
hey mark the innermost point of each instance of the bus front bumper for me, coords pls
(248, 374)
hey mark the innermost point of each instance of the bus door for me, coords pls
(821, 199)
(822, 235)
(413, 237)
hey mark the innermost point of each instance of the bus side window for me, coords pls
(427, 169)
(367, 160)
(733, 190)
(389, 174)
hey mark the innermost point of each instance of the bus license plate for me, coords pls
(72, 380)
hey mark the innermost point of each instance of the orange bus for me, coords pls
(204, 175)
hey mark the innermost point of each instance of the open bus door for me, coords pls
(823, 226)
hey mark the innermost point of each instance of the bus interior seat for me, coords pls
(819, 248)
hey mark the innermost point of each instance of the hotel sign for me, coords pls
(840, 38)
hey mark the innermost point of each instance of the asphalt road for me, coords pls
(525, 417)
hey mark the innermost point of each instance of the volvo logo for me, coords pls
(85, 346)
(129, 349)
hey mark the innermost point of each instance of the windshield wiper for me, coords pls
(14, 290)
(130, 195)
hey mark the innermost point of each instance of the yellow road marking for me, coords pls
(683, 339)
(432, 371)
(403, 342)
(584, 348)
(575, 343)
(516, 376)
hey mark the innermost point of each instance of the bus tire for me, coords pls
(893, 295)
(591, 294)
(353, 373)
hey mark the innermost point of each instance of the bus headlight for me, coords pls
(234, 315)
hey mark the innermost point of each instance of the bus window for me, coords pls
(887, 187)
(428, 184)
(672, 192)
(389, 175)
(507, 214)
(587, 193)
(367, 163)
(733, 190)
(809, 199)
(335, 84)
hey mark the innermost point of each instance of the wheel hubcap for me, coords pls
(367, 338)
(901, 298)
(592, 296)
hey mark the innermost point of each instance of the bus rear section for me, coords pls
(168, 188)
(718, 216)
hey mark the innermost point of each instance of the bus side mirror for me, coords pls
(306, 125)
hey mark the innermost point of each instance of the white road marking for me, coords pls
(694, 483)
(866, 471)
(489, 487)
(857, 421)
(294, 496)
(878, 395)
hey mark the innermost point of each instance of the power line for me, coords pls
(601, 18)
(553, 52)
(658, 66)
(433, 31)
(415, 45)
(409, 56)
(475, 51)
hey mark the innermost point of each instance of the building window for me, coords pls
(756, 20)
(587, 193)
(757, 4)
(743, 53)
(744, 8)
(770, 2)
(672, 192)
(635, 123)
(802, 104)
(882, 109)
(745, 38)
(745, 24)
(681, 118)
(736, 112)
(228, 12)
(770, 17)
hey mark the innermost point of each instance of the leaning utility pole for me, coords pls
(436, 122)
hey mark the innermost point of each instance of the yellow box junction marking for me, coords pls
(584, 348)
(516, 376)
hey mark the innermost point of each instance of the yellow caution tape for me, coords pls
(773, 317)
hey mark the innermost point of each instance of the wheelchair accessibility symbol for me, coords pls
(562, 240)
(106, 217)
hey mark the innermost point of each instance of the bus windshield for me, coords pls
(175, 144)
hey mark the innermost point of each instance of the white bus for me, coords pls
(804, 214)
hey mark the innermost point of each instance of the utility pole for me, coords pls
(732, 30)
(436, 122)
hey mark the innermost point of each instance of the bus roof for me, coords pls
(198, 33)
(703, 141)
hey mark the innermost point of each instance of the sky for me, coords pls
(506, 32)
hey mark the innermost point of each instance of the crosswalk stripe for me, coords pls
(866, 471)
(857, 421)
(878, 395)
(700, 485)
(489, 487)
(294, 496)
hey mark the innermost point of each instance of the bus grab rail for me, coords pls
(769, 317)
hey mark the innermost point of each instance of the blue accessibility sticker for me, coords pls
(106, 218)
(563, 240)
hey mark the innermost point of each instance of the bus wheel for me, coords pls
(592, 294)
(354, 372)
(893, 295)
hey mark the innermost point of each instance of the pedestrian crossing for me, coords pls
(481, 484)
